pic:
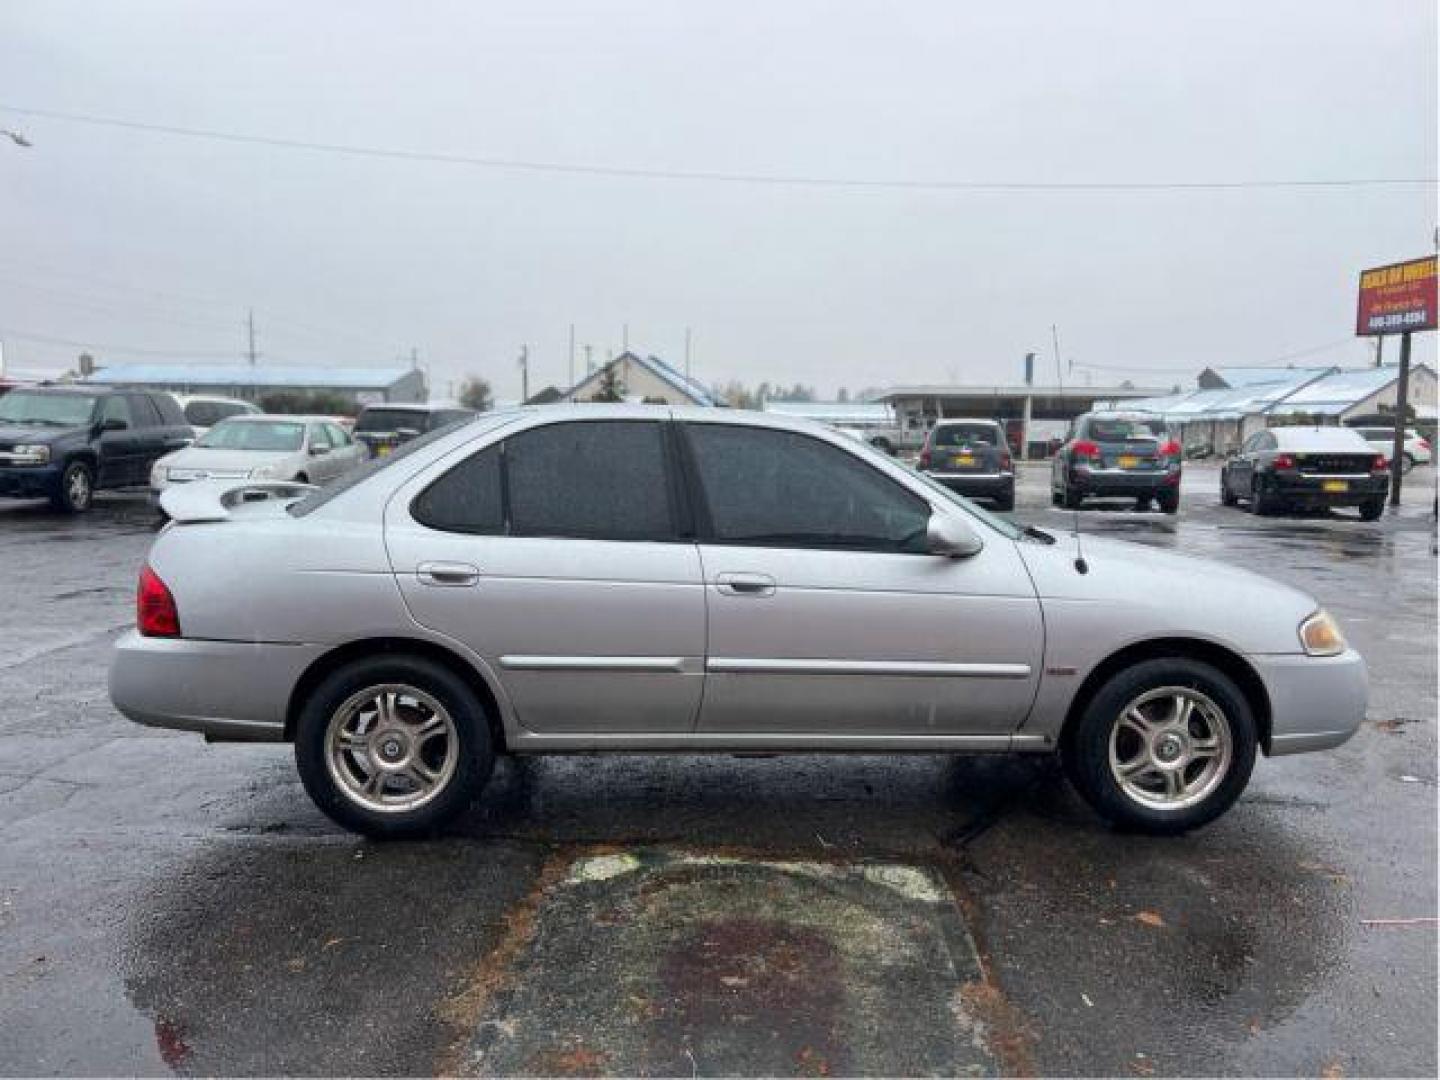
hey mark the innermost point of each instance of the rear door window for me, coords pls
(145, 411)
(601, 479)
(116, 407)
(467, 499)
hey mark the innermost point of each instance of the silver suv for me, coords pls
(633, 578)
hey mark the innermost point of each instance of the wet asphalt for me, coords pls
(172, 907)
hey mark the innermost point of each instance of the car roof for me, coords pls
(1318, 438)
(417, 406)
(186, 399)
(67, 388)
(260, 418)
(965, 420)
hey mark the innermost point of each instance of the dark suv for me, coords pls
(1113, 455)
(383, 427)
(63, 443)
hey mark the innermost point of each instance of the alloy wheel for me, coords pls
(391, 748)
(1170, 748)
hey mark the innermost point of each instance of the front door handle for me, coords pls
(736, 584)
(447, 574)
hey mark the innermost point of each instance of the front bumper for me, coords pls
(227, 690)
(1316, 702)
(29, 482)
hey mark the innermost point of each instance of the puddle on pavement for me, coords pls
(653, 963)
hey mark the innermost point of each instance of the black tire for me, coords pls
(1169, 502)
(76, 493)
(474, 746)
(1261, 504)
(301, 478)
(883, 445)
(1006, 499)
(1142, 504)
(1086, 747)
(1371, 509)
(1227, 497)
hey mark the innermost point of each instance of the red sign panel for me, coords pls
(1396, 299)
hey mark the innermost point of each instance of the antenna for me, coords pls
(1081, 566)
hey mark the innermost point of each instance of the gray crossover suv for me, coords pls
(640, 578)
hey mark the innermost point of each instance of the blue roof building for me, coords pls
(253, 381)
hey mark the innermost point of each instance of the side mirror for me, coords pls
(113, 423)
(948, 536)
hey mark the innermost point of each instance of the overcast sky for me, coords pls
(152, 246)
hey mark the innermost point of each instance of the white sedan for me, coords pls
(307, 449)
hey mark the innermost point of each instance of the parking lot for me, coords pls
(168, 905)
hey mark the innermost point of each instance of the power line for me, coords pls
(773, 179)
(25, 335)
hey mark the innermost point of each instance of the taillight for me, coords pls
(1424, 444)
(1283, 461)
(1085, 448)
(1381, 463)
(155, 613)
(925, 458)
(1170, 449)
(1004, 462)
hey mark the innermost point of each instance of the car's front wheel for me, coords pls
(77, 489)
(1163, 747)
(393, 747)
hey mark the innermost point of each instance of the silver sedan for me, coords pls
(308, 449)
(633, 578)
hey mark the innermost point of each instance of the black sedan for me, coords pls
(1306, 468)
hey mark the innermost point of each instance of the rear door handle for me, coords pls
(736, 584)
(447, 574)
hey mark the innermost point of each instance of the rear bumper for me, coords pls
(37, 482)
(1299, 488)
(226, 690)
(979, 485)
(1316, 702)
(1104, 482)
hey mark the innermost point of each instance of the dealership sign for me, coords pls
(1397, 299)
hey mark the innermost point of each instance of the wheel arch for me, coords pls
(341, 655)
(1227, 661)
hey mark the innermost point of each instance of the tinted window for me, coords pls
(967, 435)
(171, 414)
(210, 413)
(466, 499)
(52, 410)
(601, 479)
(1121, 430)
(446, 417)
(385, 420)
(115, 407)
(777, 487)
(147, 413)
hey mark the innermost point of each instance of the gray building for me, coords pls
(253, 381)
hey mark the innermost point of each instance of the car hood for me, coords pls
(1145, 592)
(36, 433)
(206, 457)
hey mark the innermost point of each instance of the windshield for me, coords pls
(1120, 430)
(967, 435)
(51, 410)
(278, 436)
(372, 420)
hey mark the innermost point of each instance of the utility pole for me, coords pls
(687, 352)
(1055, 341)
(589, 363)
(1402, 406)
(625, 337)
(524, 374)
(250, 325)
(572, 354)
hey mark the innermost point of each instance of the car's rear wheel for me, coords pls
(1261, 502)
(1371, 509)
(1164, 746)
(1169, 502)
(393, 747)
(1227, 497)
(77, 489)
(1006, 499)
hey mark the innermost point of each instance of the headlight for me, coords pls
(264, 472)
(32, 454)
(1320, 635)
